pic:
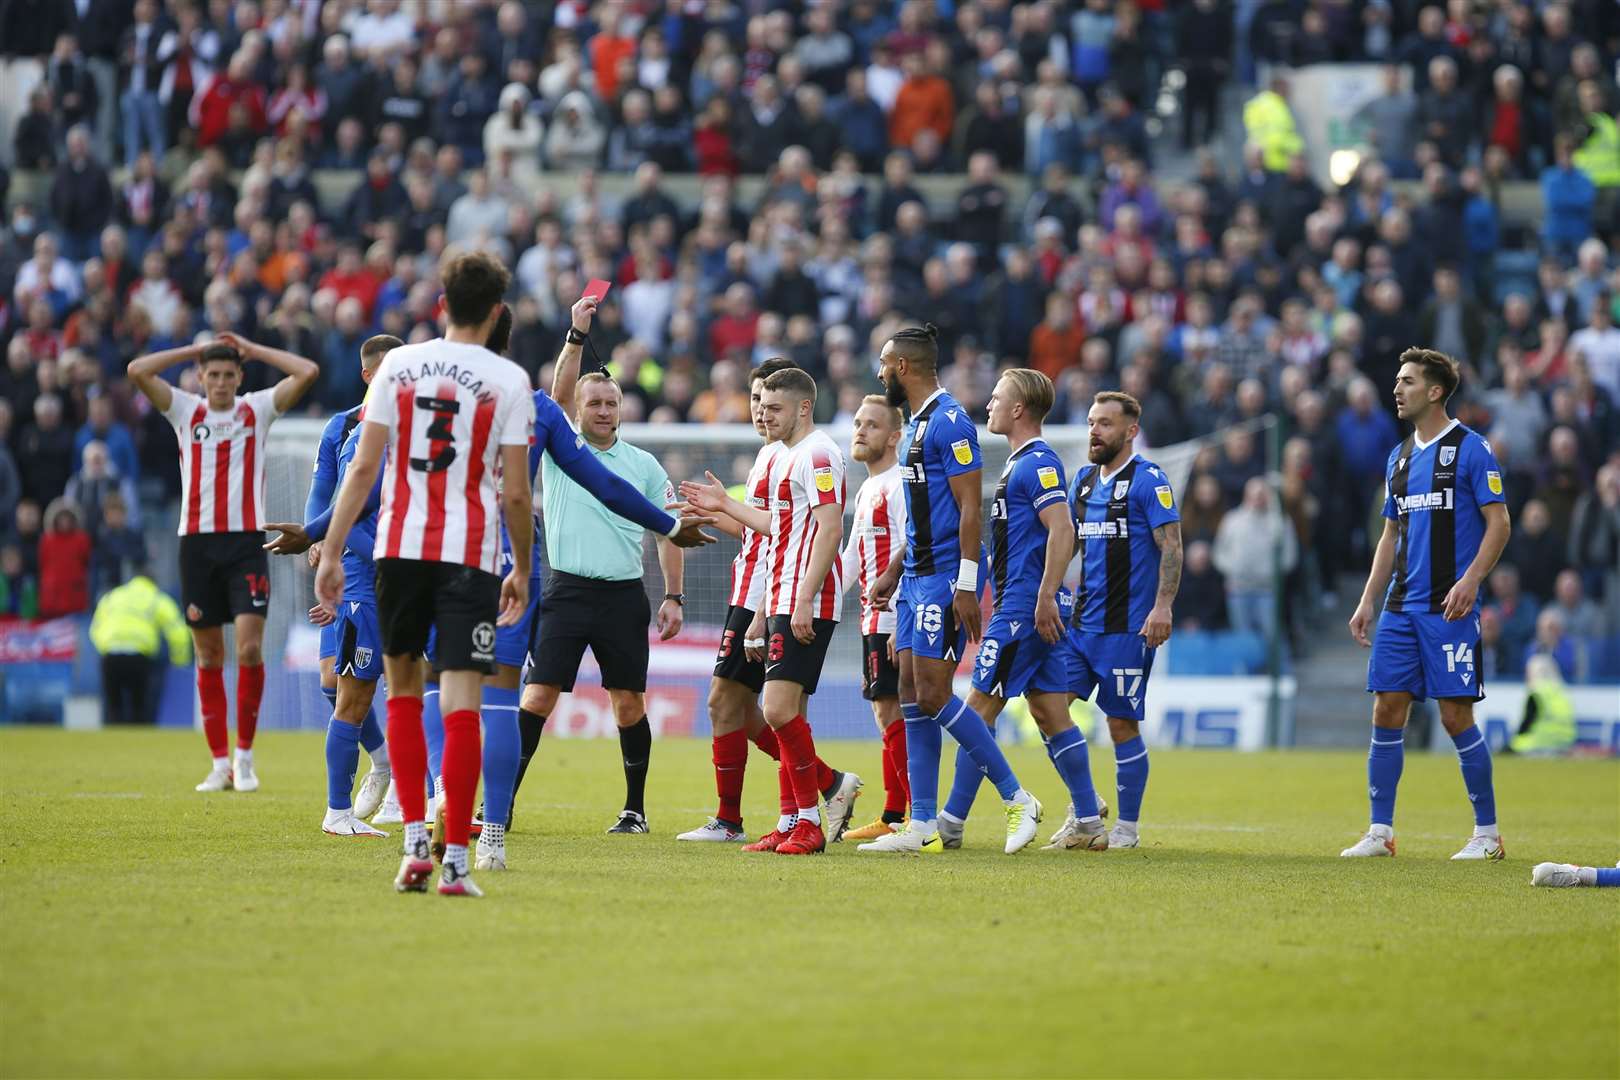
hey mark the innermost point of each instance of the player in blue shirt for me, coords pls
(1445, 525)
(937, 596)
(1031, 545)
(1129, 533)
(343, 740)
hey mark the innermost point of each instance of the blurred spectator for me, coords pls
(1254, 549)
(1492, 656)
(1567, 196)
(1055, 342)
(1367, 434)
(45, 450)
(1201, 603)
(1517, 412)
(81, 197)
(117, 544)
(1269, 125)
(1536, 550)
(64, 563)
(1553, 641)
(73, 90)
(97, 481)
(34, 144)
(1548, 724)
(1582, 618)
(10, 481)
(1516, 614)
(1599, 342)
(1594, 533)
(131, 624)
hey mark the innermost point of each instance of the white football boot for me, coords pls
(246, 778)
(1085, 835)
(912, 840)
(1022, 819)
(347, 823)
(1556, 875)
(1379, 842)
(218, 779)
(1481, 848)
(840, 807)
(389, 813)
(374, 789)
(713, 832)
(491, 851)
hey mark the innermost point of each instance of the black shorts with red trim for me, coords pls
(458, 603)
(223, 575)
(731, 661)
(879, 677)
(787, 659)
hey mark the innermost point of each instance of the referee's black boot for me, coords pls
(629, 822)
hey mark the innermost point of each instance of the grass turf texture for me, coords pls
(149, 930)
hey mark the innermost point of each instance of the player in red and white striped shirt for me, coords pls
(224, 572)
(877, 538)
(452, 417)
(739, 668)
(803, 593)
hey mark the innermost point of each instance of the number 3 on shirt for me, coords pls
(441, 447)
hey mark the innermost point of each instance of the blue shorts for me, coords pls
(514, 643)
(359, 641)
(1116, 666)
(1013, 659)
(1418, 652)
(924, 620)
(329, 641)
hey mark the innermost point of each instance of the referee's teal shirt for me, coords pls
(585, 538)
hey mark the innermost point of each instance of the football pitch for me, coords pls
(147, 930)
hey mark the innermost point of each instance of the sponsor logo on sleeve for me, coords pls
(963, 451)
(1048, 477)
(1493, 480)
(824, 480)
(1166, 500)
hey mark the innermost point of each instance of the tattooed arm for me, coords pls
(1157, 627)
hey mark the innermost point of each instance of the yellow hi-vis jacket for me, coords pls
(1599, 156)
(1270, 126)
(132, 619)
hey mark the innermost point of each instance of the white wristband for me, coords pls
(671, 534)
(967, 576)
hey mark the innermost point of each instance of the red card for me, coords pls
(597, 289)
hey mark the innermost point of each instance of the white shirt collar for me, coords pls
(1103, 478)
(930, 400)
(1419, 444)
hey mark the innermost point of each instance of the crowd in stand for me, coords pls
(191, 206)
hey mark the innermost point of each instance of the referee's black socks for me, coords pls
(635, 745)
(529, 727)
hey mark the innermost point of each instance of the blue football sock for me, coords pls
(371, 732)
(1386, 757)
(1072, 759)
(342, 756)
(1131, 777)
(433, 728)
(1475, 758)
(502, 748)
(1608, 878)
(923, 745)
(968, 728)
(964, 785)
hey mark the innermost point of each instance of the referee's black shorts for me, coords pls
(609, 617)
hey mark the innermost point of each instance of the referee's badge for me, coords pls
(1493, 480)
(963, 452)
(1448, 454)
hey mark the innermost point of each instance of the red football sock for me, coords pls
(784, 787)
(407, 750)
(730, 766)
(211, 692)
(461, 763)
(896, 780)
(799, 755)
(765, 739)
(249, 691)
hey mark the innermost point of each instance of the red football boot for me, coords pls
(805, 839)
(769, 842)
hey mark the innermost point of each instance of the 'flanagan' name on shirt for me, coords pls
(467, 379)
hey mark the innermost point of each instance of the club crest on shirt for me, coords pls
(824, 480)
(963, 451)
(1165, 499)
(1120, 488)
(1048, 477)
(1493, 480)
(1448, 454)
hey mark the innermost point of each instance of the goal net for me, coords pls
(679, 671)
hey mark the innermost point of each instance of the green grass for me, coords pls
(147, 930)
